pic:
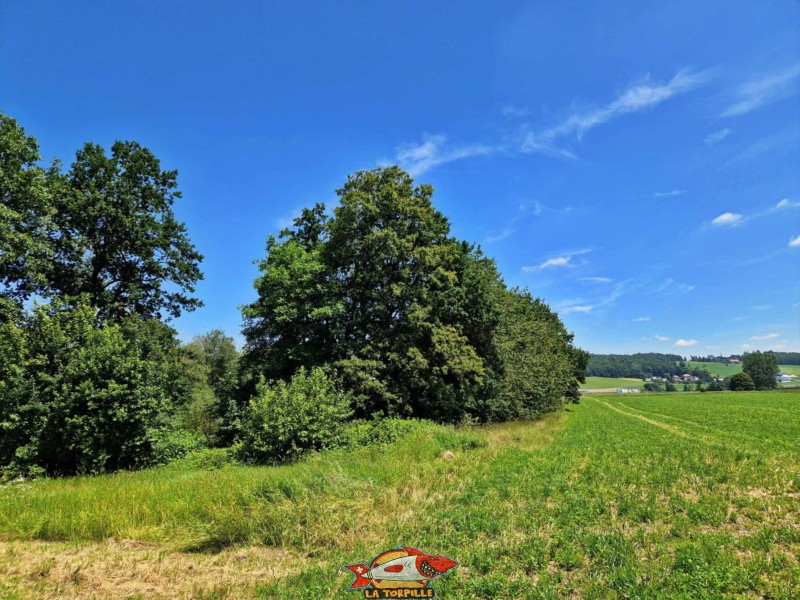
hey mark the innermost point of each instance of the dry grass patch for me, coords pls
(129, 569)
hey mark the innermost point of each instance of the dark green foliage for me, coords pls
(25, 213)
(286, 420)
(762, 368)
(786, 358)
(81, 398)
(169, 445)
(406, 315)
(213, 410)
(92, 381)
(741, 382)
(634, 365)
(119, 242)
(539, 361)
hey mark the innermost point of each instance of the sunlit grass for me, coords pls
(647, 496)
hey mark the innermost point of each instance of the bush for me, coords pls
(286, 420)
(742, 382)
(380, 431)
(77, 397)
(169, 446)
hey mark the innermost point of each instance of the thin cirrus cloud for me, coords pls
(434, 151)
(641, 319)
(580, 309)
(598, 279)
(769, 336)
(662, 338)
(764, 90)
(635, 98)
(717, 136)
(685, 343)
(669, 194)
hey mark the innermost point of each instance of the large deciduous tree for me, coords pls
(762, 368)
(406, 314)
(118, 240)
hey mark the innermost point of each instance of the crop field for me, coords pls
(598, 383)
(647, 496)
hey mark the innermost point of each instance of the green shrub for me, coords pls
(171, 445)
(286, 420)
(742, 382)
(78, 397)
(380, 431)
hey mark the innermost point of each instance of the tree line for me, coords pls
(638, 366)
(368, 312)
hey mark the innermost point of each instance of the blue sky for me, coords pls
(636, 164)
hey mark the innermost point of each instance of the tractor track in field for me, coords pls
(680, 432)
(708, 428)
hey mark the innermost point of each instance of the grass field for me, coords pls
(598, 383)
(716, 369)
(648, 496)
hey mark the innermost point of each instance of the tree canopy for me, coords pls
(762, 368)
(408, 316)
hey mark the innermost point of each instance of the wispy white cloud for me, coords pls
(434, 151)
(668, 194)
(794, 242)
(635, 98)
(763, 90)
(662, 338)
(786, 203)
(670, 287)
(685, 343)
(596, 279)
(559, 261)
(563, 260)
(530, 208)
(641, 319)
(769, 336)
(506, 233)
(734, 219)
(762, 307)
(582, 309)
(717, 136)
(728, 219)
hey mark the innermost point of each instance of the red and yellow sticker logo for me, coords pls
(400, 573)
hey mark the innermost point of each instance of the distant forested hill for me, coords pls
(787, 358)
(634, 365)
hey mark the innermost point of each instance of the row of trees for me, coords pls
(376, 298)
(650, 364)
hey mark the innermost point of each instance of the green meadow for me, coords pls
(716, 369)
(597, 383)
(647, 496)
